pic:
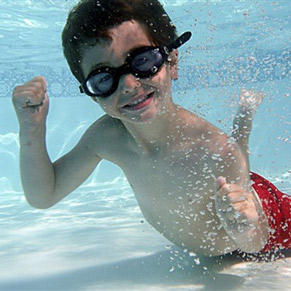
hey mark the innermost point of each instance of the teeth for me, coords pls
(137, 101)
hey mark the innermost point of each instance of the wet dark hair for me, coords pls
(89, 21)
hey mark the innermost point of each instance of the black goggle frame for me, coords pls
(127, 67)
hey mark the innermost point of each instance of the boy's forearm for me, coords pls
(37, 171)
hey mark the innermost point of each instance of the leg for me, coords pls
(242, 123)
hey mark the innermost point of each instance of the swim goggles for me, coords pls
(143, 62)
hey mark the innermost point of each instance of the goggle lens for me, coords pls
(100, 83)
(146, 62)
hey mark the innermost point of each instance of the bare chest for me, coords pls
(176, 195)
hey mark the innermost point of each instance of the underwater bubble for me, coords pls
(229, 209)
(172, 269)
(197, 261)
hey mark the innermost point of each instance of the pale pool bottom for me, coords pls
(97, 239)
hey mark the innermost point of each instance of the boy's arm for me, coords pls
(45, 183)
(237, 205)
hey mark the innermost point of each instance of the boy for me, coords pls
(191, 180)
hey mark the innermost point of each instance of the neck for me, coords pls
(156, 132)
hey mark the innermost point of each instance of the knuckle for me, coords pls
(41, 82)
(17, 89)
(18, 94)
(230, 195)
(223, 190)
(37, 90)
(29, 93)
(245, 214)
(239, 208)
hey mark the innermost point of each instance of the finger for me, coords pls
(36, 102)
(40, 81)
(237, 197)
(229, 213)
(229, 188)
(220, 181)
(31, 100)
(232, 215)
(241, 211)
(225, 206)
(241, 206)
(30, 94)
(232, 199)
(29, 104)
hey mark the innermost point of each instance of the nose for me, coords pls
(129, 83)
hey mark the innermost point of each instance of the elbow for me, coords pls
(39, 203)
(256, 241)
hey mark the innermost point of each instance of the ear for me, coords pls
(173, 61)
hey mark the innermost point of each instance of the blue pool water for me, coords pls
(97, 239)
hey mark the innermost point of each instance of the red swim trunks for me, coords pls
(277, 207)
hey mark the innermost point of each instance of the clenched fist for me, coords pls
(238, 212)
(31, 102)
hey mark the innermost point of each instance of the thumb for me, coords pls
(220, 181)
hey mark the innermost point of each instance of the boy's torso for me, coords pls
(175, 185)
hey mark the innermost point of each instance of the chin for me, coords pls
(145, 117)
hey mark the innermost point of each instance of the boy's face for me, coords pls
(135, 100)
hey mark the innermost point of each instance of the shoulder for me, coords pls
(209, 139)
(216, 139)
(105, 123)
(220, 147)
(103, 134)
(226, 157)
(106, 126)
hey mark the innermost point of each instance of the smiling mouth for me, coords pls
(140, 103)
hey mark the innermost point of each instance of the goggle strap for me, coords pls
(179, 41)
